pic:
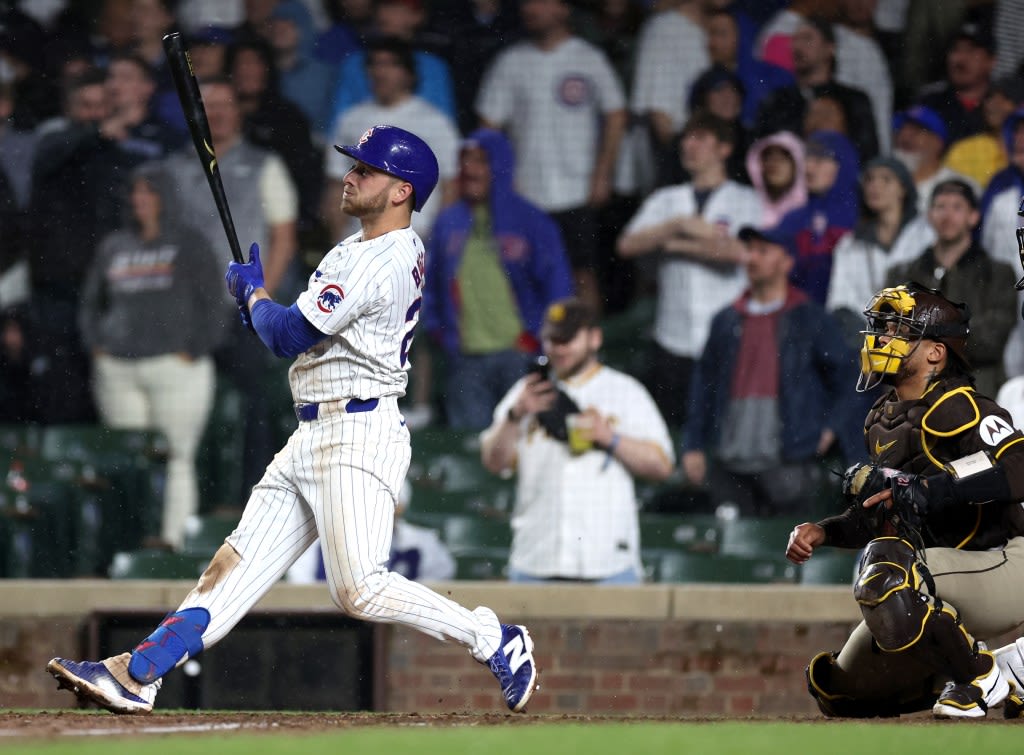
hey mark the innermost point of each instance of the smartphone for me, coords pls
(540, 366)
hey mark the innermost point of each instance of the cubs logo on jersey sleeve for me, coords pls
(330, 298)
(333, 295)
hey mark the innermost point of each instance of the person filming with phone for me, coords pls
(576, 432)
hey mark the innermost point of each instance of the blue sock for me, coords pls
(178, 635)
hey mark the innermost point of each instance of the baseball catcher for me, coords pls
(937, 511)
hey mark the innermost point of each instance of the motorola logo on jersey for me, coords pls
(330, 297)
(994, 430)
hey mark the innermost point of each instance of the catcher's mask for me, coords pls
(898, 318)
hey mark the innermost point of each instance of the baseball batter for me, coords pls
(339, 474)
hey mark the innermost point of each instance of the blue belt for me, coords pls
(309, 412)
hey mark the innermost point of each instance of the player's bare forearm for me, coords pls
(257, 295)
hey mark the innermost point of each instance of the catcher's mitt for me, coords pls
(909, 505)
(860, 482)
(553, 419)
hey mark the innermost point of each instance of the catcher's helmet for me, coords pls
(398, 153)
(904, 314)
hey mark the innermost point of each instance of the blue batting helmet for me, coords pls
(398, 153)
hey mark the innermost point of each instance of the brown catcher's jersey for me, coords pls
(951, 421)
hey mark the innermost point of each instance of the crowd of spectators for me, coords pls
(611, 149)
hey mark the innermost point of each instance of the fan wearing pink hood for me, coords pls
(775, 165)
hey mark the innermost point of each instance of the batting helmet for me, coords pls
(903, 315)
(398, 153)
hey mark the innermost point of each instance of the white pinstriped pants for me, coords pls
(337, 478)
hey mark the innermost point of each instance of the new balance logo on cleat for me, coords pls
(516, 653)
(514, 667)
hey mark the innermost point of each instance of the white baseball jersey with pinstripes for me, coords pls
(338, 476)
(366, 295)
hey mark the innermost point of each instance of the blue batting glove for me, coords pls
(243, 279)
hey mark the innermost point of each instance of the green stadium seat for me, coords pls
(205, 534)
(19, 440)
(124, 469)
(156, 564)
(446, 459)
(676, 566)
(756, 537)
(482, 564)
(494, 500)
(692, 532)
(829, 566)
(462, 533)
(44, 530)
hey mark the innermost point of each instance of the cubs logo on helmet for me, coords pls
(330, 297)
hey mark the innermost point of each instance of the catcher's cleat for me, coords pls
(94, 682)
(1010, 659)
(973, 699)
(514, 667)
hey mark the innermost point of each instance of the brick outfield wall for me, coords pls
(587, 666)
(621, 667)
(676, 651)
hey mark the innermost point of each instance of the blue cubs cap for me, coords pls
(772, 236)
(924, 117)
(398, 153)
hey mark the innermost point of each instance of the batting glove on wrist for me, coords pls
(243, 279)
(244, 315)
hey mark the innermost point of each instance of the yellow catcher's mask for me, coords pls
(898, 318)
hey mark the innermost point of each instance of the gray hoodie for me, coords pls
(144, 299)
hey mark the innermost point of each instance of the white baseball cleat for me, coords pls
(1010, 659)
(973, 699)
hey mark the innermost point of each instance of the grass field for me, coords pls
(540, 735)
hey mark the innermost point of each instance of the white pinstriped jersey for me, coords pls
(366, 296)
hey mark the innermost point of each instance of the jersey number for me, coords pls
(412, 318)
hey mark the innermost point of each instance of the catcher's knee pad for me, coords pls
(835, 704)
(904, 618)
(888, 591)
(178, 635)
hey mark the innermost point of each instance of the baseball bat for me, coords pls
(185, 83)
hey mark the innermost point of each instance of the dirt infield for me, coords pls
(67, 723)
(51, 724)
